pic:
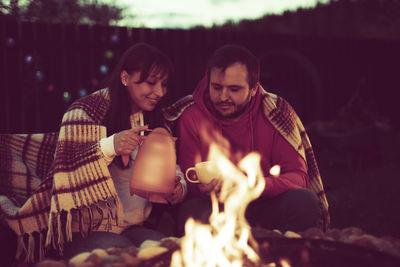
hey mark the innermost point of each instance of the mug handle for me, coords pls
(188, 178)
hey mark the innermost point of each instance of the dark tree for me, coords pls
(64, 11)
(341, 18)
(12, 9)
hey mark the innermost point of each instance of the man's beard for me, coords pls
(237, 113)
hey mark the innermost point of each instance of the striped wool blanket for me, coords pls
(283, 117)
(46, 176)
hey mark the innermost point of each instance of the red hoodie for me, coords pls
(198, 126)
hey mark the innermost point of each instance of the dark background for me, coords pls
(344, 89)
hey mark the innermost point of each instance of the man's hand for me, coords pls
(126, 141)
(214, 185)
(178, 193)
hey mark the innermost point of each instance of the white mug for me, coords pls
(205, 172)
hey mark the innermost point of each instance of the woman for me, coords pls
(134, 90)
(69, 190)
(91, 180)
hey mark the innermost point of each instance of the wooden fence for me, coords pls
(44, 67)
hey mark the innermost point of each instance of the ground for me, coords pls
(362, 185)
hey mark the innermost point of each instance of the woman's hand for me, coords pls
(126, 141)
(178, 193)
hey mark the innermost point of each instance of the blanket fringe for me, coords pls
(85, 227)
(21, 247)
(109, 216)
(84, 233)
(49, 237)
(41, 246)
(100, 211)
(31, 248)
(68, 226)
(60, 236)
(57, 235)
(119, 210)
(90, 220)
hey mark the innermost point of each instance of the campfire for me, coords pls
(227, 239)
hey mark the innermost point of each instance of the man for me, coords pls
(230, 102)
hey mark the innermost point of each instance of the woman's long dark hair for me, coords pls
(141, 58)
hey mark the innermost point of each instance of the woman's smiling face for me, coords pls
(145, 95)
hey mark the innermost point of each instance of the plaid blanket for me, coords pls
(283, 117)
(44, 177)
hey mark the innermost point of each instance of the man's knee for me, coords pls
(303, 206)
(302, 198)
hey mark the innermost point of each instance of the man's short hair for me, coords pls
(229, 54)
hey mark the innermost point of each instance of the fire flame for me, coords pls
(227, 239)
(284, 262)
(275, 170)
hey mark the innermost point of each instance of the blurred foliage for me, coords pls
(63, 11)
(339, 18)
